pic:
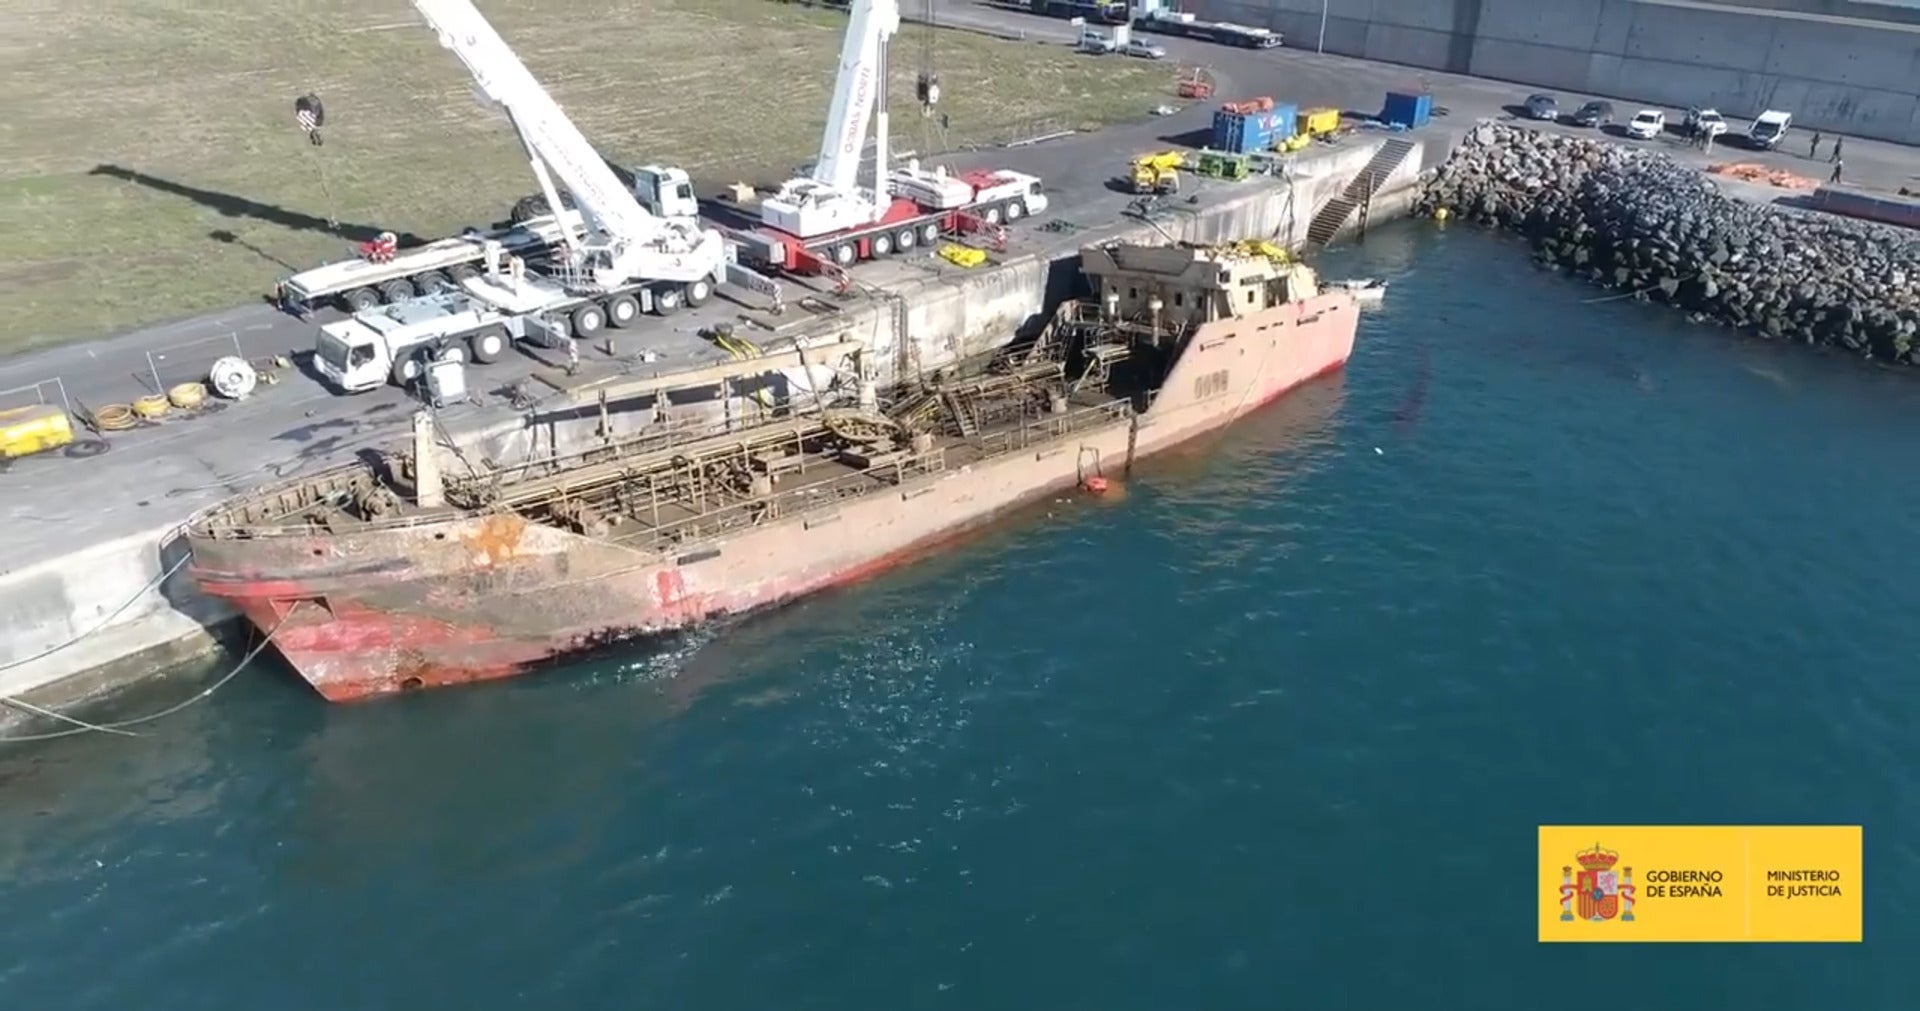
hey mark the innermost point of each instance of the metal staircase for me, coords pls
(1333, 217)
(962, 417)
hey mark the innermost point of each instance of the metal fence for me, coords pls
(41, 391)
(189, 361)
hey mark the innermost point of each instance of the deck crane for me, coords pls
(623, 260)
(827, 220)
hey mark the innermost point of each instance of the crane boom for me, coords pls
(630, 242)
(858, 91)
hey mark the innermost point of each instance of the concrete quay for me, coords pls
(80, 615)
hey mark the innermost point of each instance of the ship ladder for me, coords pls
(961, 416)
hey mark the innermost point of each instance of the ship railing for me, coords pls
(479, 488)
(1046, 428)
(804, 499)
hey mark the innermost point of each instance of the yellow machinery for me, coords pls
(1320, 122)
(1158, 173)
(962, 256)
(25, 431)
(1273, 251)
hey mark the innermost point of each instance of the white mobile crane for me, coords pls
(827, 220)
(622, 261)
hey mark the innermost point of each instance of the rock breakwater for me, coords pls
(1635, 219)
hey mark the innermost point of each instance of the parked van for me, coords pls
(1769, 129)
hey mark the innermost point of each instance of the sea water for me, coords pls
(1273, 726)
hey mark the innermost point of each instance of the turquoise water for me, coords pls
(1274, 731)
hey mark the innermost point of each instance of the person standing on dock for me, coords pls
(1813, 147)
(1838, 142)
(1837, 166)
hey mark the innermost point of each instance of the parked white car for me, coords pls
(1647, 124)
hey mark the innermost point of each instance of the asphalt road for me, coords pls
(158, 475)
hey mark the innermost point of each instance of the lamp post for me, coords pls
(1321, 46)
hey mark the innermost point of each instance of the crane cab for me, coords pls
(666, 192)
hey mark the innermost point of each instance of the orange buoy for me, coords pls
(1095, 484)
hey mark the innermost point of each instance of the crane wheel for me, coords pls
(397, 290)
(464, 272)
(588, 320)
(881, 245)
(929, 233)
(991, 215)
(905, 240)
(406, 371)
(667, 301)
(699, 291)
(622, 310)
(360, 299)
(487, 345)
(1016, 210)
(432, 281)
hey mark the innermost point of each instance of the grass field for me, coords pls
(151, 168)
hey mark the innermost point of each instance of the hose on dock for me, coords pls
(118, 727)
(151, 408)
(113, 418)
(188, 396)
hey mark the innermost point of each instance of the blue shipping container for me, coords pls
(1408, 110)
(1244, 132)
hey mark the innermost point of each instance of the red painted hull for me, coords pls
(387, 609)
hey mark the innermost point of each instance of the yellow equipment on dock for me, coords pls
(1158, 173)
(25, 431)
(962, 256)
(1320, 122)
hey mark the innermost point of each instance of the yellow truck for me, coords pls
(1158, 173)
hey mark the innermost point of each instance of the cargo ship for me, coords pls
(398, 573)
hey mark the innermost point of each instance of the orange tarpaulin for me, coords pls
(1756, 173)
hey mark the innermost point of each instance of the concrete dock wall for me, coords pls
(105, 617)
(1837, 74)
(101, 616)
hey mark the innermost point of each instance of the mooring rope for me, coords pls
(118, 726)
(104, 622)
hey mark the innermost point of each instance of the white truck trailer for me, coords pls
(380, 271)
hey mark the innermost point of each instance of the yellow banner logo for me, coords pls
(1700, 883)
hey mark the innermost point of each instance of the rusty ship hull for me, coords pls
(442, 596)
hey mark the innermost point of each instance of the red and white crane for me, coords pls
(827, 219)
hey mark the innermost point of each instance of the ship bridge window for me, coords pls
(1133, 293)
(1179, 298)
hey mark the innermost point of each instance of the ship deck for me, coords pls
(670, 488)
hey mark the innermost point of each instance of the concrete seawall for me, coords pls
(1817, 59)
(109, 614)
